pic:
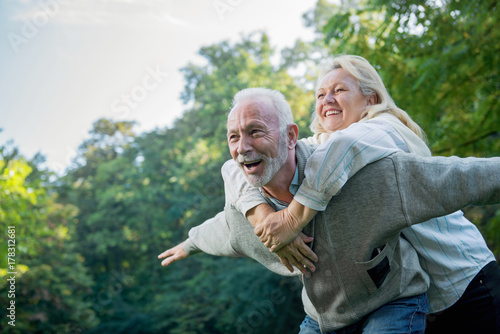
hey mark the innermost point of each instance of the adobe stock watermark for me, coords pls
(128, 101)
(350, 4)
(31, 27)
(223, 6)
(252, 321)
(60, 167)
(116, 284)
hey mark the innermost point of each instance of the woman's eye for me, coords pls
(320, 95)
(339, 90)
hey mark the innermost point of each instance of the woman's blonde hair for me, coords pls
(370, 83)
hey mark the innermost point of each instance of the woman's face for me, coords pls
(339, 101)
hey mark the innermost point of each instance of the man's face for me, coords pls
(253, 135)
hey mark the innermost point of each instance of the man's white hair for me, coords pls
(281, 106)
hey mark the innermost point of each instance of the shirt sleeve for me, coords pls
(342, 156)
(212, 237)
(239, 194)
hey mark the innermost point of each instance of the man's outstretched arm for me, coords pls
(437, 186)
(211, 237)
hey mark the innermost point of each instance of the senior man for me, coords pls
(364, 263)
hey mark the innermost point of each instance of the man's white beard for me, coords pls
(271, 165)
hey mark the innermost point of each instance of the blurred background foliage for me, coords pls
(88, 241)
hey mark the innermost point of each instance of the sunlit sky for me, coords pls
(66, 63)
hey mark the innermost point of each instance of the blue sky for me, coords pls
(66, 63)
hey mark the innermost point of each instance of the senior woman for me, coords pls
(357, 122)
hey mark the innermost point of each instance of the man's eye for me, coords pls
(320, 95)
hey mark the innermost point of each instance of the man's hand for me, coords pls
(278, 229)
(298, 254)
(173, 254)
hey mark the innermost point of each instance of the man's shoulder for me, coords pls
(230, 167)
(305, 148)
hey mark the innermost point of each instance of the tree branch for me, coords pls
(467, 143)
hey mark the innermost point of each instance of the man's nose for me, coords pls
(244, 145)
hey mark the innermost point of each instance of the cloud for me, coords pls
(141, 13)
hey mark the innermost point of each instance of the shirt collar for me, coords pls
(294, 187)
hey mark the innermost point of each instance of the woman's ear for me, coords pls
(372, 100)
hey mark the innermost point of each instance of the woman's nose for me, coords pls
(329, 98)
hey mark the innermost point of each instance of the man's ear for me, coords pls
(293, 135)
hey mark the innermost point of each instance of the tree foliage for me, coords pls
(51, 281)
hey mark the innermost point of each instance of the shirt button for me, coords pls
(328, 273)
(341, 310)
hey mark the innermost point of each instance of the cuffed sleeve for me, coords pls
(190, 248)
(249, 200)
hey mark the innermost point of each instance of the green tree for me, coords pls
(50, 280)
(102, 184)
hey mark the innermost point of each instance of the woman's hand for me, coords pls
(298, 254)
(278, 229)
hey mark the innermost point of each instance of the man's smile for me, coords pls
(250, 165)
